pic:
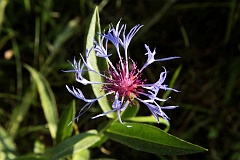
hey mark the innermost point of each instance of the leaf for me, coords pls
(130, 111)
(69, 31)
(3, 5)
(64, 130)
(151, 139)
(39, 147)
(150, 119)
(7, 145)
(34, 157)
(82, 155)
(21, 110)
(47, 100)
(76, 144)
(96, 63)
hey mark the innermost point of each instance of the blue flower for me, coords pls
(121, 81)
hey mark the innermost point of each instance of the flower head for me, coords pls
(122, 81)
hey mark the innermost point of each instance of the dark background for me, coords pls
(205, 34)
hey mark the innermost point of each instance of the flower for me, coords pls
(122, 81)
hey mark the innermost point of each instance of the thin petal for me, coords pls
(155, 110)
(127, 39)
(100, 50)
(83, 110)
(78, 93)
(150, 59)
(167, 59)
(169, 107)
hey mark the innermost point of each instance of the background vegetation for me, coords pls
(42, 35)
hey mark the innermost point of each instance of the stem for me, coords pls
(127, 74)
(120, 58)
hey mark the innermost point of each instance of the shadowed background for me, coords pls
(205, 34)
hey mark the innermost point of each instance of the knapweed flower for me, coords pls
(123, 82)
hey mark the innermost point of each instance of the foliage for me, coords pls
(36, 39)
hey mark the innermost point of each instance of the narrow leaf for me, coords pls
(21, 110)
(151, 139)
(70, 30)
(150, 119)
(3, 5)
(96, 63)
(130, 111)
(64, 130)
(33, 157)
(7, 145)
(47, 100)
(75, 144)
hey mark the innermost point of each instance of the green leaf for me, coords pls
(39, 147)
(33, 157)
(69, 31)
(150, 119)
(7, 145)
(64, 130)
(3, 5)
(97, 63)
(21, 110)
(47, 100)
(26, 130)
(75, 144)
(130, 111)
(151, 139)
(82, 155)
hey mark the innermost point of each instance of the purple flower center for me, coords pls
(128, 85)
